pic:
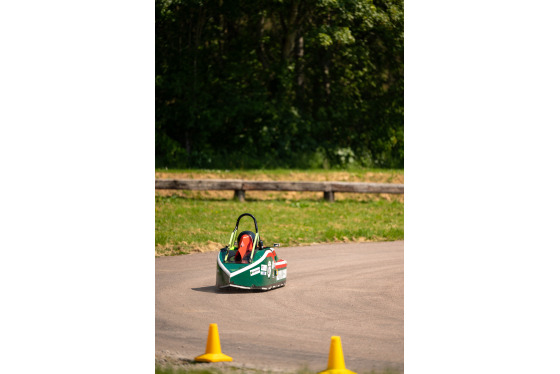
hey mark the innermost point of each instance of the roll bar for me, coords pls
(234, 232)
(250, 215)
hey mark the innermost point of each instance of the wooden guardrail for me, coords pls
(240, 186)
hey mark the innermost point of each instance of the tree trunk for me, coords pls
(299, 70)
(291, 29)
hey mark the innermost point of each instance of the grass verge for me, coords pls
(189, 224)
(169, 369)
(313, 175)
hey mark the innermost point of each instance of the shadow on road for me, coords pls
(211, 289)
(227, 290)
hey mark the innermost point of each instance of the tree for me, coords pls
(279, 83)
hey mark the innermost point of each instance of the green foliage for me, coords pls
(265, 84)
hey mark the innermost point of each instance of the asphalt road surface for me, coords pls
(355, 291)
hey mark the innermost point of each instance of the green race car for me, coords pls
(245, 263)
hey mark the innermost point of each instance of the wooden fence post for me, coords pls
(239, 195)
(329, 196)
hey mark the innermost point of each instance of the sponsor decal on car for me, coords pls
(269, 269)
(255, 271)
(263, 269)
(281, 274)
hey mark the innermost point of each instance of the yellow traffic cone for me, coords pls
(336, 359)
(213, 347)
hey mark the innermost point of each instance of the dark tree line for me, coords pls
(279, 83)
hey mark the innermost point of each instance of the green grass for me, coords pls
(233, 370)
(356, 174)
(355, 171)
(187, 224)
(171, 370)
